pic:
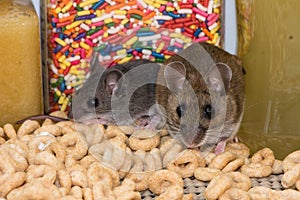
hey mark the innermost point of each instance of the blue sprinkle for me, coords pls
(161, 22)
(67, 53)
(174, 15)
(108, 47)
(116, 48)
(157, 55)
(57, 49)
(62, 86)
(97, 5)
(53, 24)
(164, 12)
(139, 49)
(197, 32)
(142, 34)
(171, 48)
(85, 17)
(129, 51)
(79, 36)
(61, 36)
(127, 25)
(105, 53)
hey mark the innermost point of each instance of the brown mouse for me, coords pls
(201, 91)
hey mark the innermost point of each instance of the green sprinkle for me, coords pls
(135, 16)
(111, 24)
(147, 29)
(100, 47)
(92, 31)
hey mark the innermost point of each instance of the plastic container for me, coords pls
(77, 24)
(272, 113)
(20, 77)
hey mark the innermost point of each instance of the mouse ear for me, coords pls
(111, 81)
(95, 66)
(226, 75)
(175, 75)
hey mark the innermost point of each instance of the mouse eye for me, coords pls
(208, 111)
(180, 110)
(93, 103)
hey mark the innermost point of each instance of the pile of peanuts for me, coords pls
(66, 160)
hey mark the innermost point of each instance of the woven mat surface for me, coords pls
(192, 185)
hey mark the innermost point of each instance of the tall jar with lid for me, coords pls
(20, 76)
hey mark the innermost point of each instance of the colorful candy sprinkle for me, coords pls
(120, 31)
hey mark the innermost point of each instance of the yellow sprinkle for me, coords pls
(57, 10)
(120, 12)
(67, 7)
(160, 47)
(83, 64)
(88, 21)
(62, 99)
(193, 26)
(76, 83)
(147, 21)
(57, 92)
(161, 1)
(75, 45)
(105, 35)
(84, 45)
(88, 2)
(62, 58)
(65, 104)
(74, 67)
(60, 41)
(125, 60)
(108, 20)
(74, 24)
(121, 52)
(131, 41)
(98, 13)
(170, 9)
(175, 35)
(215, 39)
(215, 29)
(157, 5)
(81, 77)
(66, 63)
(62, 65)
(124, 21)
(81, 72)
(167, 56)
(149, 2)
(84, 12)
(216, 10)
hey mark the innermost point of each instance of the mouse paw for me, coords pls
(146, 122)
(220, 148)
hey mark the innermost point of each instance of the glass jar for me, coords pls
(20, 77)
(272, 112)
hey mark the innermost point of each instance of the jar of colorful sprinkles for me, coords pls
(119, 31)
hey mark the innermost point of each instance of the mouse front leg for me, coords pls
(220, 148)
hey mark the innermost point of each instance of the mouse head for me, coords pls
(194, 99)
(92, 102)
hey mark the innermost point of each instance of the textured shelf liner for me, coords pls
(192, 185)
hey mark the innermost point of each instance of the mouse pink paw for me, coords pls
(220, 148)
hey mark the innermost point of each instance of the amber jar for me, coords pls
(20, 76)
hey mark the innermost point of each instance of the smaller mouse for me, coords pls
(122, 94)
(201, 90)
